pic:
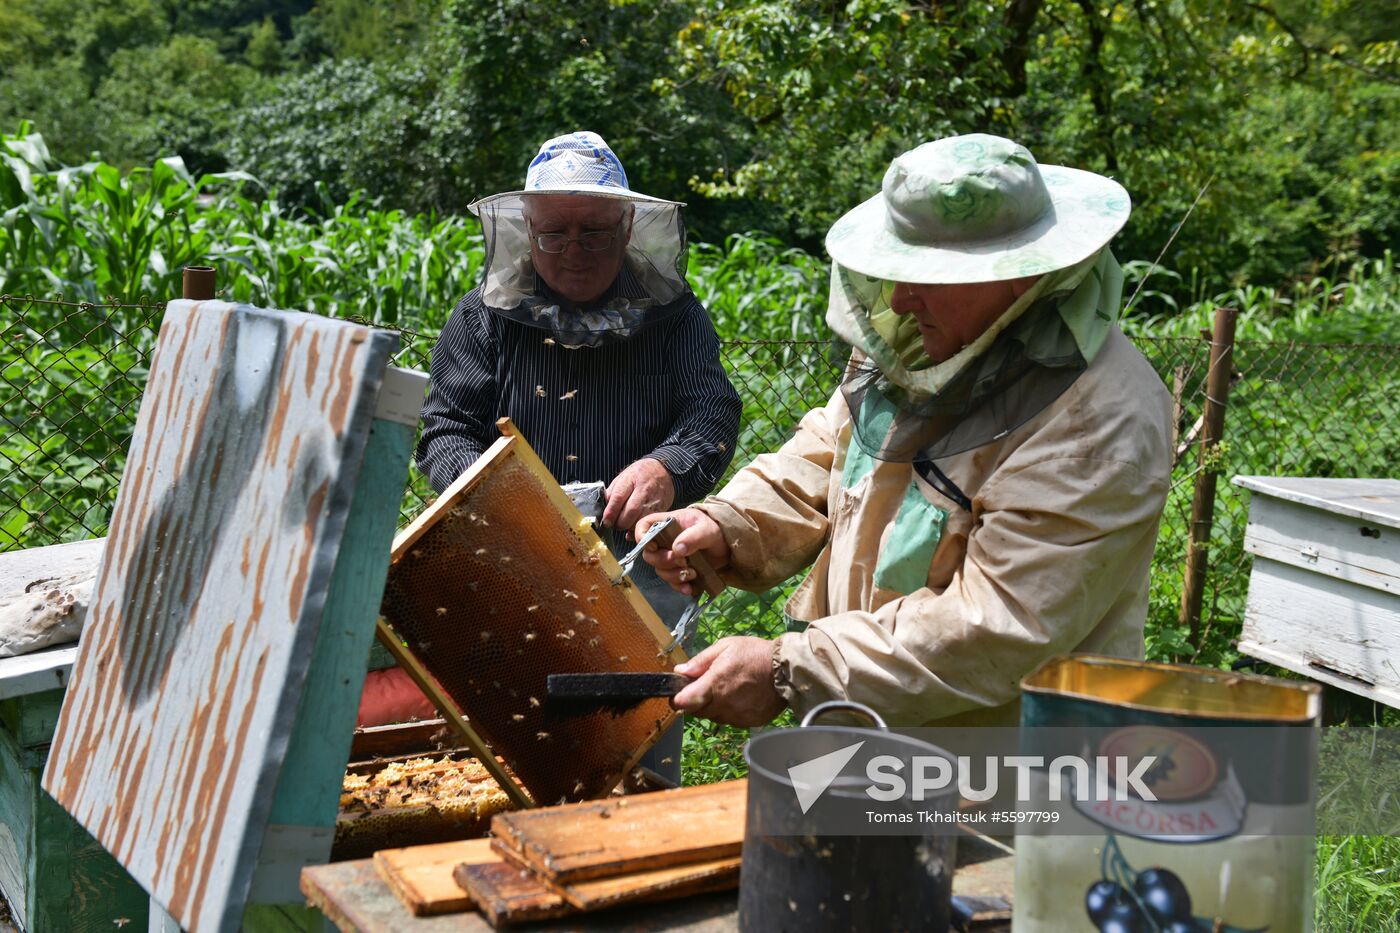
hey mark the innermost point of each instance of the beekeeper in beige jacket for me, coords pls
(995, 499)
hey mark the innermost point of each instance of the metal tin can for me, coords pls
(1220, 840)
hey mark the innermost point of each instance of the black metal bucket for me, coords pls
(797, 879)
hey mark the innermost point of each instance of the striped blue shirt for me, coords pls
(589, 412)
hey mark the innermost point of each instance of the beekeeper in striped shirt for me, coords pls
(586, 334)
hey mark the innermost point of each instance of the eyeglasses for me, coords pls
(594, 241)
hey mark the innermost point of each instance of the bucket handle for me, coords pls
(846, 706)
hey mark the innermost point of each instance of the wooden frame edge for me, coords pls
(452, 713)
(590, 538)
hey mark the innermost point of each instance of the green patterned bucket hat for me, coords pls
(977, 208)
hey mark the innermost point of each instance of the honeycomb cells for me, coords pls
(500, 591)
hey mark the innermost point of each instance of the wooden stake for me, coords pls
(1222, 346)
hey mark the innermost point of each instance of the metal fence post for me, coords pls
(1222, 346)
(198, 283)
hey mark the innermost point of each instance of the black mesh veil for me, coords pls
(652, 277)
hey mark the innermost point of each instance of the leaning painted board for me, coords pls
(225, 534)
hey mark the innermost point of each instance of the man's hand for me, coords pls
(733, 683)
(699, 534)
(643, 487)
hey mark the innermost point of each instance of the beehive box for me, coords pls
(415, 802)
(500, 583)
(1324, 594)
(53, 874)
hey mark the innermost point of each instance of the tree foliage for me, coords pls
(1280, 115)
(1169, 97)
(830, 93)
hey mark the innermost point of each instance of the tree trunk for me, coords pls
(1097, 80)
(1019, 20)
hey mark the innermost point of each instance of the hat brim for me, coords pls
(1086, 210)
(596, 191)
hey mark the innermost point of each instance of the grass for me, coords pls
(1357, 304)
(1358, 884)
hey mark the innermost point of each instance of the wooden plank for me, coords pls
(353, 896)
(223, 541)
(402, 738)
(507, 894)
(1323, 542)
(1299, 663)
(421, 876)
(646, 886)
(504, 563)
(355, 899)
(1374, 500)
(1323, 625)
(598, 839)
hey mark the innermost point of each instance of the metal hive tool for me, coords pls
(501, 583)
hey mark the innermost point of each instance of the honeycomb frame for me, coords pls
(498, 584)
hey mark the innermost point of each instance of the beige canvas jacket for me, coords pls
(1054, 556)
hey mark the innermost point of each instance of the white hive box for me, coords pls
(1324, 594)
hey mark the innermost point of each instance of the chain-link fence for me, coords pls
(71, 377)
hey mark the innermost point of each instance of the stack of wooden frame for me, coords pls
(575, 858)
